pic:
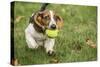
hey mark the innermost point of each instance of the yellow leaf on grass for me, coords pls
(18, 18)
(90, 43)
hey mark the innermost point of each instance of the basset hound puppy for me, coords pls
(35, 31)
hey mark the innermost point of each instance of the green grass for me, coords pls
(79, 24)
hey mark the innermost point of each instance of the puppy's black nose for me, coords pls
(53, 26)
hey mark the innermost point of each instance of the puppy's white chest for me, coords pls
(35, 39)
(37, 36)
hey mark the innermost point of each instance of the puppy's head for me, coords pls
(48, 19)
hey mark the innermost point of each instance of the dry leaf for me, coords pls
(18, 18)
(93, 45)
(90, 43)
(15, 62)
(54, 61)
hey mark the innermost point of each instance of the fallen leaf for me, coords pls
(93, 45)
(90, 43)
(18, 18)
(15, 62)
(54, 61)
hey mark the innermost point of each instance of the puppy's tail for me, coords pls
(43, 7)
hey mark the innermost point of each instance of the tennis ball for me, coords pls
(52, 33)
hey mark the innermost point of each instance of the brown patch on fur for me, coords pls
(39, 19)
(59, 22)
(43, 18)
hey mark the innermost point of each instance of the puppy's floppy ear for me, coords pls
(59, 21)
(38, 19)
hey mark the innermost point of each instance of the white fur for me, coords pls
(35, 39)
(52, 19)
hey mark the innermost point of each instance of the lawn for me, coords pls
(76, 42)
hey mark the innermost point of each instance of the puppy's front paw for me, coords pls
(51, 53)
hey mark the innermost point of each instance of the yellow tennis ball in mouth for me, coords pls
(52, 33)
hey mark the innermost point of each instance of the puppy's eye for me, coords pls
(46, 17)
(56, 18)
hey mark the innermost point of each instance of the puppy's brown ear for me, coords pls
(59, 21)
(38, 19)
